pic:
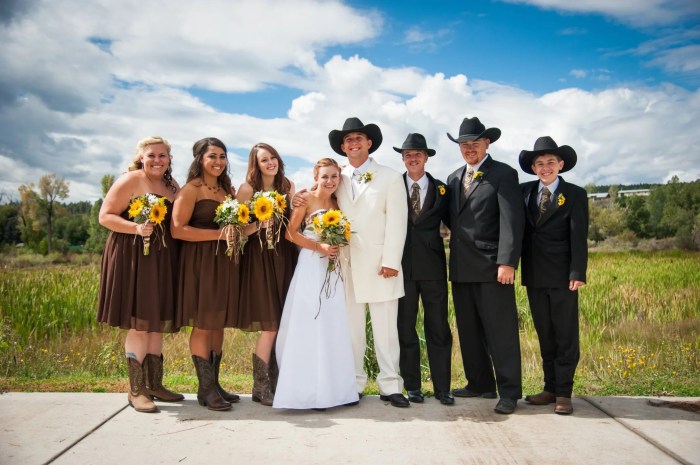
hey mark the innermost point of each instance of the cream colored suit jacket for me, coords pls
(378, 217)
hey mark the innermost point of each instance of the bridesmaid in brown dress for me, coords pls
(265, 273)
(137, 290)
(209, 280)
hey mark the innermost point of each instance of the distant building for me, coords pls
(621, 193)
(634, 192)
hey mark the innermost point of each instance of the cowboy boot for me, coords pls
(154, 380)
(261, 382)
(138, 397)
(274, 371)
(207, 395)
(227, 396)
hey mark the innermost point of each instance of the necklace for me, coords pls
(214, 189)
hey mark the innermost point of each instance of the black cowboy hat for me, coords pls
(415, 141)
(546, 145)
(372, 131)
(472, 129)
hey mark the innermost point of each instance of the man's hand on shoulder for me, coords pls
(299, 199)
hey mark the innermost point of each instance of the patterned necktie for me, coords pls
(544, 200)
(468, 178)
(415, 198)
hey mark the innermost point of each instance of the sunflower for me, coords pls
(281, 203)
(263, 209)
(346, 233)
(441, 190)
(243, 214)
(135, 208)
(331, 217)
(157, 213)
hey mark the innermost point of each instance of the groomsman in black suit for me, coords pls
(486, 222)
(425, 275)
(555, 256)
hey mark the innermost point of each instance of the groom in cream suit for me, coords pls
(373, 197)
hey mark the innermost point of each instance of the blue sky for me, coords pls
(82, 81)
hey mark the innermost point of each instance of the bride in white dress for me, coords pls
(314, 353)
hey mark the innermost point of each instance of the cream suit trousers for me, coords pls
(386, 339)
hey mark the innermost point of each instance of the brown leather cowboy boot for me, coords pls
(138, 397)
(154, 380)
(207, 395)
(273, 371)
(227, 396)
(261, 382)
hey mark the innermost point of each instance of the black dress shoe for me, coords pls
(466, 392)
(505, 406)
(415, 396)
(397, 400)
(445, 398)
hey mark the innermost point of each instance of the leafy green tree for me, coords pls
(606, 219)
(637, 216)
(40, 207)
(9, 217)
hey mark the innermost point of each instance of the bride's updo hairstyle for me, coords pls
(322, 163)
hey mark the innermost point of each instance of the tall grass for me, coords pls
(639, 319)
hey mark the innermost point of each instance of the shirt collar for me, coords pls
(478, 165)
(422, 182)
(552, 187)
(363, 168)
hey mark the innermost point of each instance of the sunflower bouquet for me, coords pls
(332, 227)
(231, 216)
(149, 208)
(270, 205)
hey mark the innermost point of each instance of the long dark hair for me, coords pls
(198, 150)
(254, 176)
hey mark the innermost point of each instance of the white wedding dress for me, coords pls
(314, 354)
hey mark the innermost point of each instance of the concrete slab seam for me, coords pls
(634, 430)
(77, 441)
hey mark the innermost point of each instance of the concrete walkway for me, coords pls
(63, 428)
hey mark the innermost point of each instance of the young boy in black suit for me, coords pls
(554, 259)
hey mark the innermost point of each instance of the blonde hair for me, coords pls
(137, 164)
(324, 162)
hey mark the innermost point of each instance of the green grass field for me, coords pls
(639, 315)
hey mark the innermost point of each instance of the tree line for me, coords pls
(40, 222)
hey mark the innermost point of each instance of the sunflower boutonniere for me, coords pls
(561, 199)
(441, 189)
(478, 175)
(366, 177)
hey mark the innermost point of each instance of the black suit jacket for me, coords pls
(555, 247)
(487, 224)
(424, 250)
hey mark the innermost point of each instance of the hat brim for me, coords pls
(372, 131)
(566, 153)
(430, 152)
(492, 134)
